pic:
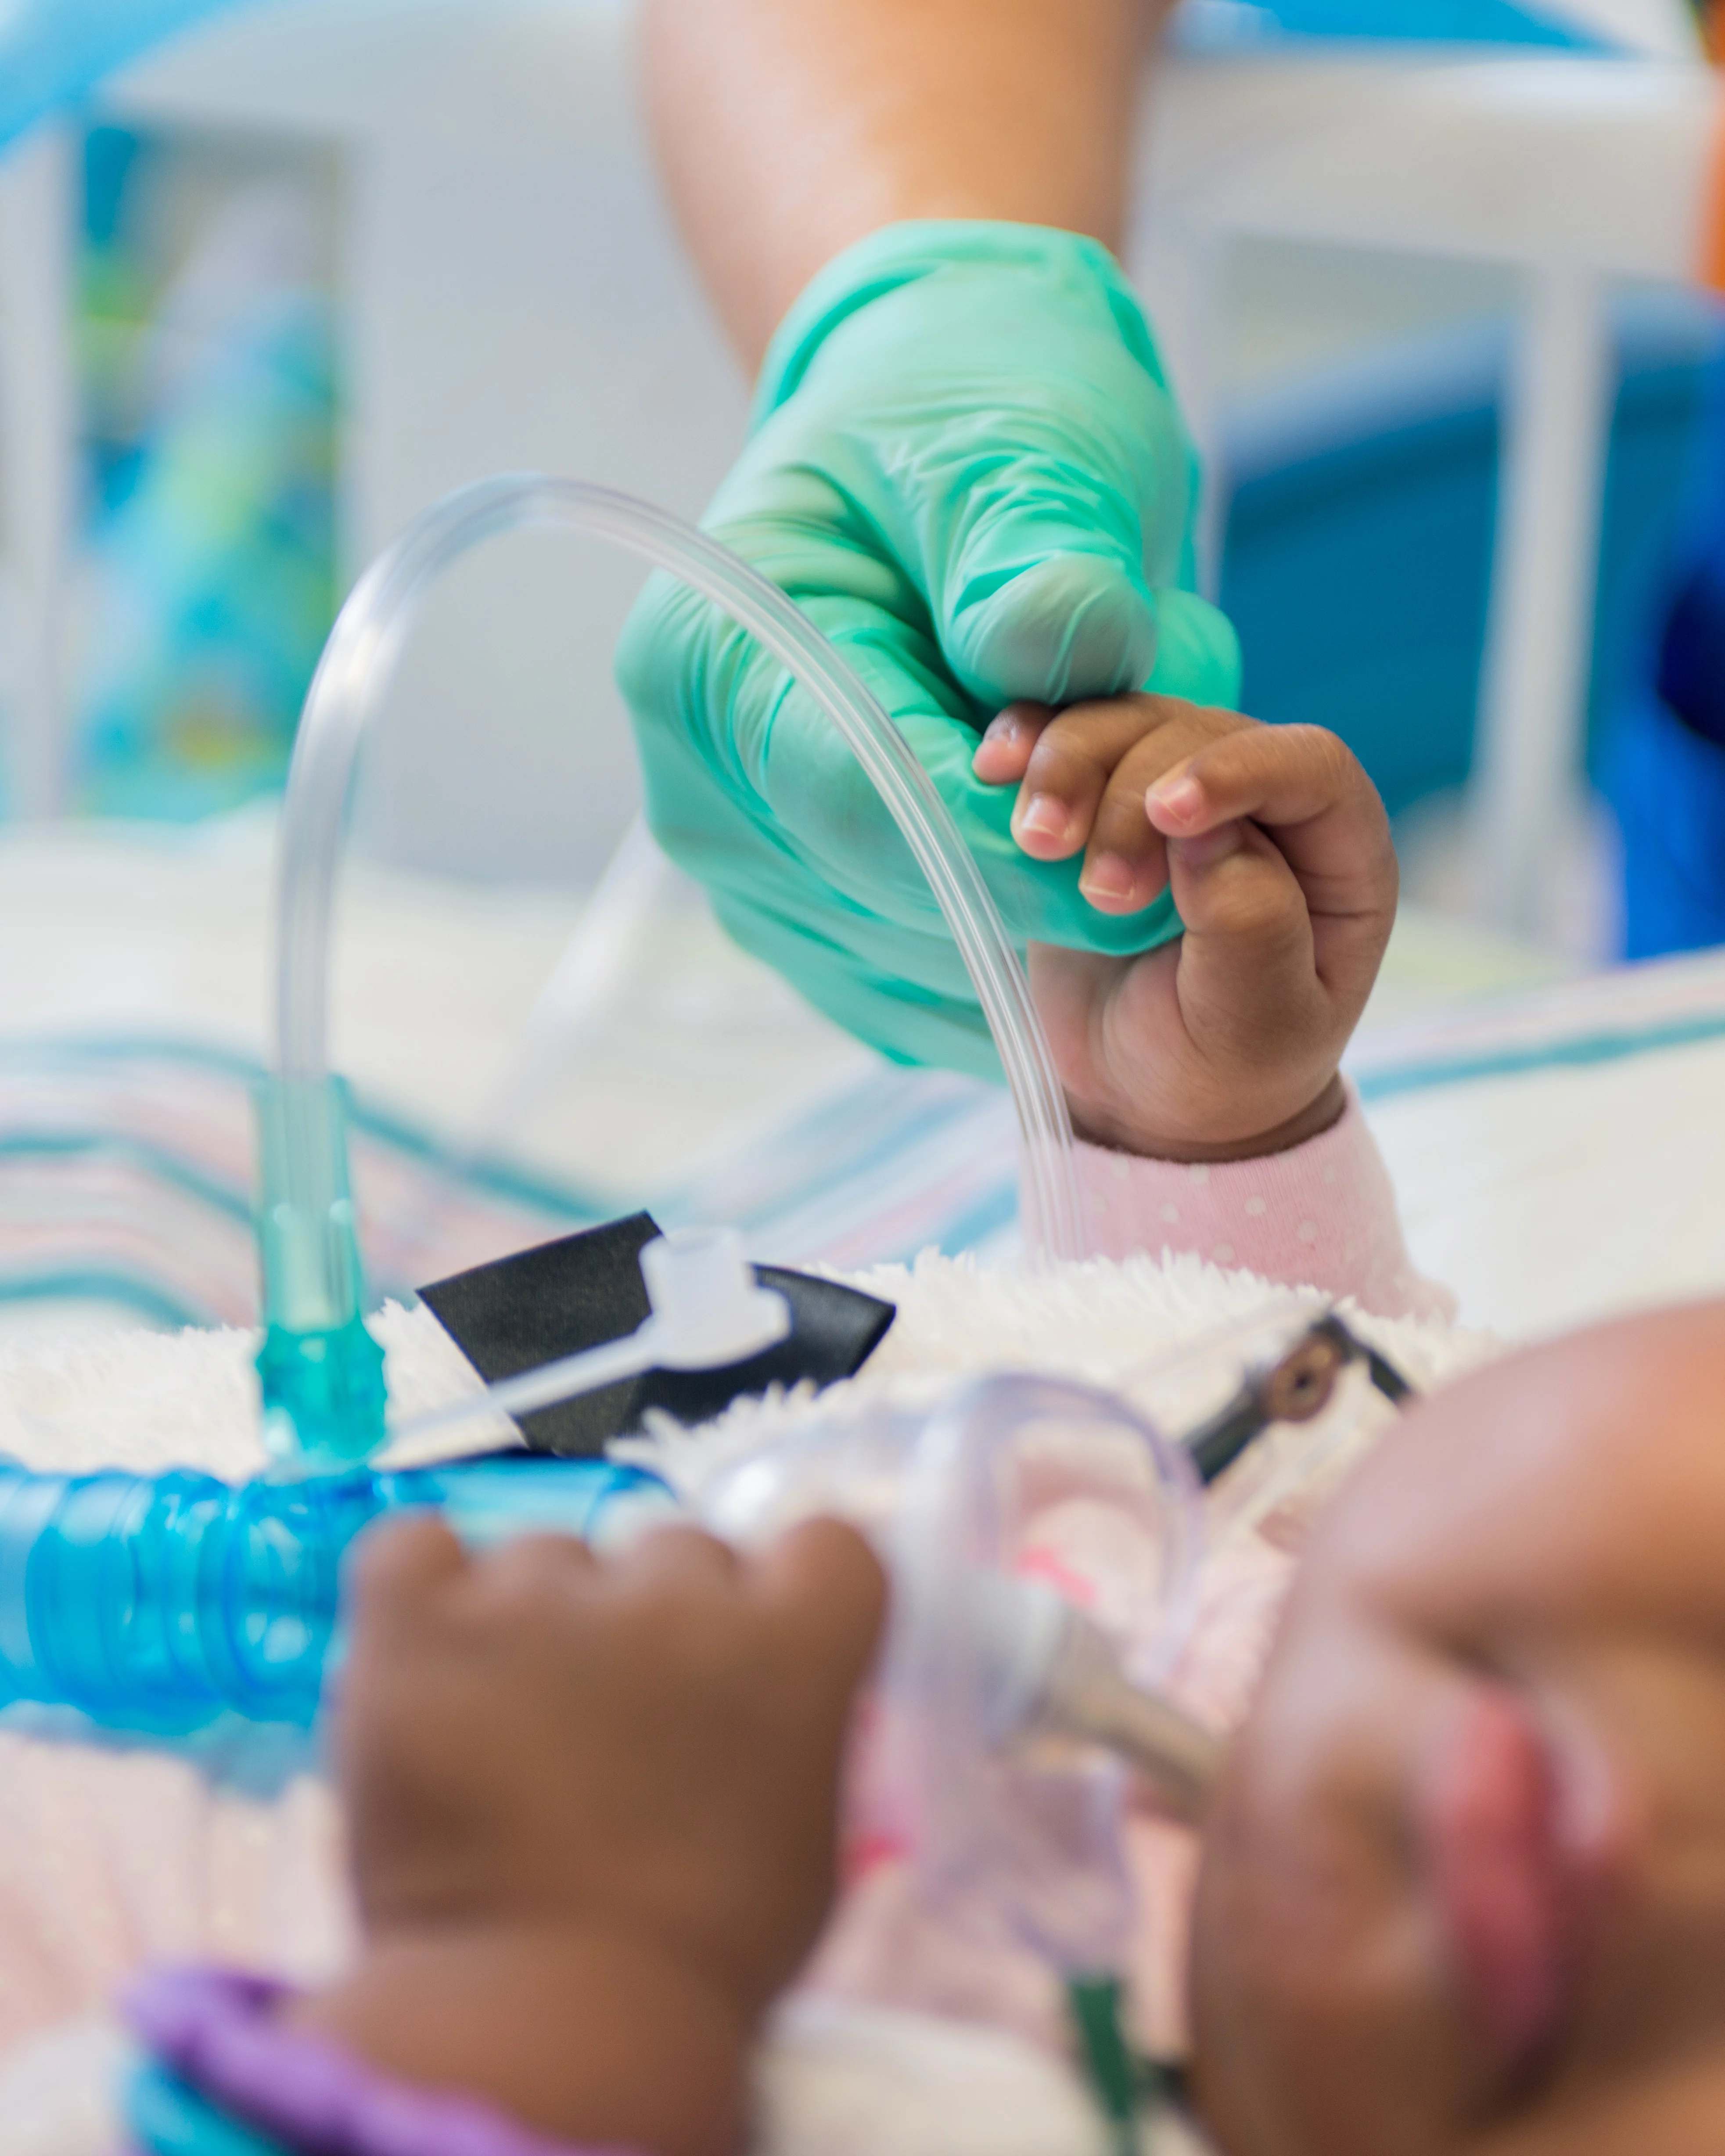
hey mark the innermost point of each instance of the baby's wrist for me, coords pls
(596, 2036)
(1121, 1131)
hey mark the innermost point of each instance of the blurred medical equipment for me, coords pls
(156, 1601)
(1044, 1542)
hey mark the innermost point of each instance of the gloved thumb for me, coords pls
(1046, 606)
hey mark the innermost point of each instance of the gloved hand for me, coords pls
(966, 468)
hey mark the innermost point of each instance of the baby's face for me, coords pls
(1464, 1886)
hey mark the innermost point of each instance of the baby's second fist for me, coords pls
(648, 1747)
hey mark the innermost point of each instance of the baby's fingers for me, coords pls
(1126, 857)
(1003, 755)
(1305, 787)
(400, 1566)
(1242, 908)
(1069, 767)
(825, 1582)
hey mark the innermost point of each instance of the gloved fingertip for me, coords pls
(1069, 627)
(1197, 652)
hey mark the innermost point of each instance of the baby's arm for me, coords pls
(1205, 1073)
(592, 1809)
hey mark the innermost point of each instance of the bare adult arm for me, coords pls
(788, 129)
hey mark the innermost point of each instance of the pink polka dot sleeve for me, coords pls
(1320, 1215)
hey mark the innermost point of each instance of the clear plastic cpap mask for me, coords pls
(1043, 1544)
(1044, 1540)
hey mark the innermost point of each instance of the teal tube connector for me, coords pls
(321, 1371)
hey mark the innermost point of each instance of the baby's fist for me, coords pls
(1277, 851)
(646, 1748)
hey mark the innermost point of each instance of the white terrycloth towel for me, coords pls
(112, 1855)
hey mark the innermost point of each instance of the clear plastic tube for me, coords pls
(355, 670)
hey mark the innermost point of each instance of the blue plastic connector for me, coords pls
(158, 1602)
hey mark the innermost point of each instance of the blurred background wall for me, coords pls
(326, 259)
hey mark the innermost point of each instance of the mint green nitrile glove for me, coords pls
(965, 466)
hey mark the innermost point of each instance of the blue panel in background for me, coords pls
(1225, 24)
(1357, 563)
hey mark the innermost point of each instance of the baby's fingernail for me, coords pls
(1108, 877)
(1044, 817)
(1179, 796)
(1210, 847)
(1000, 739)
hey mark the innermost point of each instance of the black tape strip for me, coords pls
(583, 1290)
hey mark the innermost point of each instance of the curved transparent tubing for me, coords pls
(355, 670)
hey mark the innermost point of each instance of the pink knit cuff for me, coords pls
(1320, 1215)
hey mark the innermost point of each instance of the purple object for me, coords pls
(217, 2030)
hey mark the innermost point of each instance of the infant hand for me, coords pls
(1082, 775)
(1277, 850)
(646, 1749)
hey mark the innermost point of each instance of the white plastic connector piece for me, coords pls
(708, 1310)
